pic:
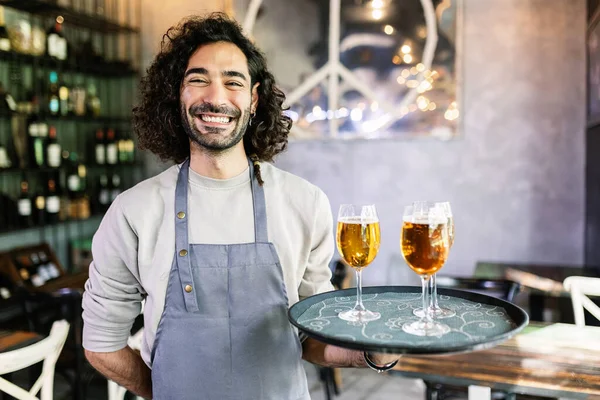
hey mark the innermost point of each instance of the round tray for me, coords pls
(481, 321)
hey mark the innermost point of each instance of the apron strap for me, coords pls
(182, 243)
(260, 208)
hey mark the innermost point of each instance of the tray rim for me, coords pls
(511, 309)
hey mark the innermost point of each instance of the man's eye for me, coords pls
(235, 84)
(197, 81)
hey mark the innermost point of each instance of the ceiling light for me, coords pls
(377, 14)
(388, 29)
(377, 4)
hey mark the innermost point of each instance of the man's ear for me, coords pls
(255, 96)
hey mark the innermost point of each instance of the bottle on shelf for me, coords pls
(126, 149)
(4, 39)
(53, 149)
(24, 205)
(64, 96)
(38, 131)
(100, 148)
(4, 158)
(53, 94)
(56, 43)
(103, 194)
(52, 202)
(40, 207)
(7, 102)
(112, 152)
(115, 186)
(92, 101)
(79, 204)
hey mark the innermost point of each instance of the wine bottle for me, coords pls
(92, 101)
(66, 106)
(24, 205)
(103, 199)
(53, 149)
(4, 40)
(53, 95)
(56, 44)
(112, 153)
(115, 187)
(40, 207)
(100, 148)
(52, 202)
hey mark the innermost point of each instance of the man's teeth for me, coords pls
(221, 120)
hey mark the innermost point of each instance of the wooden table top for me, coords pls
(553, 361)
(13, 340)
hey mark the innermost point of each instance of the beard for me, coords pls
(214, 138)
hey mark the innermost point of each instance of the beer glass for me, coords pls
(436, 310)
(425, 244)
(358, 239)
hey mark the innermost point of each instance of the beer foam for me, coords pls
(358, 220)
(425, 219)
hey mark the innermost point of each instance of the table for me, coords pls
(559, 360)
(14, 340)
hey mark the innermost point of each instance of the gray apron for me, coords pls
(224, 332)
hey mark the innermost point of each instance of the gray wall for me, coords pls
(515, 179)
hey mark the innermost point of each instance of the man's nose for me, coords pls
(215, 94)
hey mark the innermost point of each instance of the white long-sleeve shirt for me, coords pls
(134, 246)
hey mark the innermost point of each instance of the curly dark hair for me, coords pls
(157, 119)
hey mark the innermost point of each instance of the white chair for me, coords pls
(47, 350)
(580, 287)
(116, 392)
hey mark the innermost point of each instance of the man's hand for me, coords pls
(331, 356)
(381, 359)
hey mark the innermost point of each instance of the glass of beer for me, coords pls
(425, 244)
(436, 310)
(358, 239)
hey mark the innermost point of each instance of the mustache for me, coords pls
(214, 109)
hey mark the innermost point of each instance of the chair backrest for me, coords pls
(506, 289)
(580, 288)
(47, 350)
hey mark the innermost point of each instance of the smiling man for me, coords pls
(219, 245)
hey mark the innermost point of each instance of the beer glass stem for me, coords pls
(359, 304)
(426, 309)
(434, 296)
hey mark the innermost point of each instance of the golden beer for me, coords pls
(425, 246)
(358, 241)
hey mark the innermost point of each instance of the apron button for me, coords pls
(188, 288)
(181, 215)
(183, 253)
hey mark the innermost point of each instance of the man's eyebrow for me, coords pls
(201, 71)
(234, 74)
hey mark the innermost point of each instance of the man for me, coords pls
(218, 247)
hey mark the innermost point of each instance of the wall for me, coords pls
(515, 179)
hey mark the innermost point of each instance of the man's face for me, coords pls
(216, 96)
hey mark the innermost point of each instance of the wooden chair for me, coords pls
(580, 288)
(46, 350)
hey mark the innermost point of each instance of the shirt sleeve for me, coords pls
(317, 276)
(113, 294)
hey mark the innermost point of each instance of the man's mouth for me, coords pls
(214, 118)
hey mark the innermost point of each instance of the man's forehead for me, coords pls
(218, 57)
